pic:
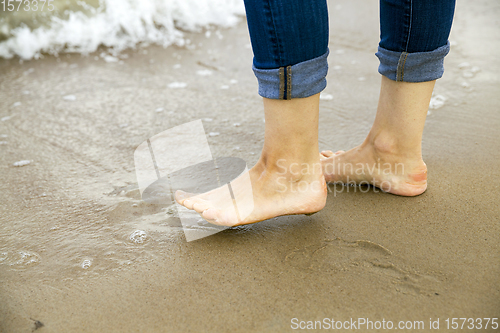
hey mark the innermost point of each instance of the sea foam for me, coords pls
(118, 24)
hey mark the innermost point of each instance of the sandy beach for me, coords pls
(68, 264)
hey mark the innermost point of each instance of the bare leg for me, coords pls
(286, 180)
(391, 155)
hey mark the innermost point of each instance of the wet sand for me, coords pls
(366, 255)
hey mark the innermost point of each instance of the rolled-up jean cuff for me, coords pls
(301, 80)
(412, 67)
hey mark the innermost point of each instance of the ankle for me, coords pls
(290, 170)
(383, 143)
(387, 144)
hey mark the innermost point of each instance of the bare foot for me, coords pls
(377, 164)
(260, 194)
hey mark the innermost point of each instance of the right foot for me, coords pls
(377, 164)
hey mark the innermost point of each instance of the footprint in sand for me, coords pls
(136, 212)
(338, 255)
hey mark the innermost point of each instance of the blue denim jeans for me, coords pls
(290, 43)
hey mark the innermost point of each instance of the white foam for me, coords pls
(121, 24)
(325, 97)
(21, 163)
(437, 102)
(464, 65)
(109, 58)
(28, 258)
(204, 72)
(177, 85)
(69, 98)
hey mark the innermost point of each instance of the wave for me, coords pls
(118, 25)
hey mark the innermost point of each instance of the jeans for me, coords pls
(290, 43)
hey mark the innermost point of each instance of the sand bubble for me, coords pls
(138, 236)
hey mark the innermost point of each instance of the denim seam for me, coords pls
(278, 42)
(289, 82)
(409, 27)
(282, 82)
(400, 72)
(285, 84)
(285, 77)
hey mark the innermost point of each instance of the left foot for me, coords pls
(262, 193)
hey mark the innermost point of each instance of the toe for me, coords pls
(188, 203)
(208, 220)
(181, 196)
(210, 214)
(327, 153)
(201, 205)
